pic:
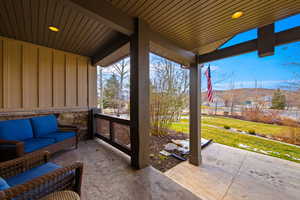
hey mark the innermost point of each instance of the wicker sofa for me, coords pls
(22, 136)
(33, 177)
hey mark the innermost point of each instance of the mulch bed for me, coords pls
(157, 144)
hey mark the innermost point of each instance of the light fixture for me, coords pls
(237, 15)
(53, 28)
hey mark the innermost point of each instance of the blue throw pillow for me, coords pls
(44, 125)
(3, 184)
(19, 129)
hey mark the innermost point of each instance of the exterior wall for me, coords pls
(34, 77)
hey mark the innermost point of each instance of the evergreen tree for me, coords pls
(278, 100)
(111, 92)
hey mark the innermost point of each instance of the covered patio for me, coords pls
(49, 50)
(107, 175)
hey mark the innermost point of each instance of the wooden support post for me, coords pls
(195, 114)
(139, 95)
(266, 40)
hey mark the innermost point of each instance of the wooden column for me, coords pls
(266, 40)
(139, 95)
(195, 114)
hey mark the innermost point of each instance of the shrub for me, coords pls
(290, 135)
(251, 132)
(226, 127)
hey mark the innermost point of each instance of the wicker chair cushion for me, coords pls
(44, 125)
(16, 129)
(32, 173)
(59, 136)
(3, 184)
(34, 144)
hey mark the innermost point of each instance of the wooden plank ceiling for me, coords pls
(199, 26)
(197, 23)
(28, 20)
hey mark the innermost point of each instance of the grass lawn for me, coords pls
(246, 142)
(266, 129)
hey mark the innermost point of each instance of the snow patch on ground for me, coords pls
(265, 152)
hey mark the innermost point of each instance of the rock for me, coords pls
(152, 155)
(164, 153)
(182, 143)
(170, 147)
(183, 150)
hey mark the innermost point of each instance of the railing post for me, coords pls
(139, 95)
(111, 131)
(92, 122)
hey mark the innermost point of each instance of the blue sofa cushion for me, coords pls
(32, 173)
(3, 184)
(19, 129)
(44, 125)
(59, 136)
(34, 144)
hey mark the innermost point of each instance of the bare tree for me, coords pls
(121, 70)
(169, 93)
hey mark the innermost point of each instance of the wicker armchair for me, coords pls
(64, 178)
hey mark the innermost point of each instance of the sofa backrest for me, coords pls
(19, 129)
(44, 125)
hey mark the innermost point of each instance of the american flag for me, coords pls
(209, 85)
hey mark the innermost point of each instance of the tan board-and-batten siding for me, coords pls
(34, 77)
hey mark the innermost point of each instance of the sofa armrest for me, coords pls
(10, 149)
(13, 167)
(66, 178)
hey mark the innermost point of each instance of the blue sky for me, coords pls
(268, 72)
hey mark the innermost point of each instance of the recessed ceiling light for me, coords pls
(53, 28)
(237, 15)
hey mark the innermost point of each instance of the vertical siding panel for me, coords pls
(14, 74)
(82, 82)
(5, 74)
(30, 76)
(33, 76)
(92, 86)
(58, 79)
(71, 80)
(1, 73)
(45, 77)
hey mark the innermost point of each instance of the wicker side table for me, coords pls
(62, 195)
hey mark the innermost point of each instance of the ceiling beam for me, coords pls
(105, 13)
(157, 38)
(234, 50)
(114, 18)
(111, 46)
(283, 37)
(288, 36)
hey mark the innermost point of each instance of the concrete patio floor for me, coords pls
(232, 174)
(108, 175)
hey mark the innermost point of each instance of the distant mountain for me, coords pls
(243, 95)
